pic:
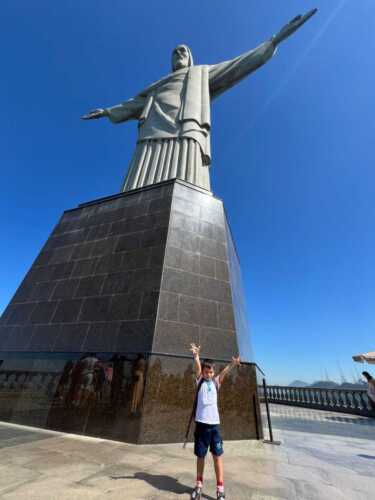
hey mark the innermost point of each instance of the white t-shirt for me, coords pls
(207, 410)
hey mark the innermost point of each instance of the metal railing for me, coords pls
(354, 401)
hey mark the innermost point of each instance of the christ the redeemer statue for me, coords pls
(174, 113)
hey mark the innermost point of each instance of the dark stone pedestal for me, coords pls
(96, 338)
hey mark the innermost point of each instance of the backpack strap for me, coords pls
(194, 409)
(216, 385)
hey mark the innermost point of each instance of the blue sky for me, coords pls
(293, 154)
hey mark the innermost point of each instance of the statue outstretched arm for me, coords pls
(128, 110)
(224, 75)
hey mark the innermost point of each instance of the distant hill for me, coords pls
(329, 384)
(298, 383)
(325, 384)
(360, 384)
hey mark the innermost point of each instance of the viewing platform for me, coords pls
(323, 456)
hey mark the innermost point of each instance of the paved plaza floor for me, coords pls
(323, 456)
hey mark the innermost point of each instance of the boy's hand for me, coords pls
(236, 361)
(195, 350)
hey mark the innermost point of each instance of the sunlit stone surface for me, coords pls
(311, 464)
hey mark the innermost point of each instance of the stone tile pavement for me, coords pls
(323, 456)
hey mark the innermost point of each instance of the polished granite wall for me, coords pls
(129, 397)
(195, 302)
(133, 278)
(169, 394)
(95, 284)
(238, 300)
(50, 390)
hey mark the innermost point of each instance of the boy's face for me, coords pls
(208, 372)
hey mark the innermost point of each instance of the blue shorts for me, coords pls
(206, 437)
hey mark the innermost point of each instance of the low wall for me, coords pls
(354, 401)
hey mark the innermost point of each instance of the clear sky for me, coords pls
(293, 150)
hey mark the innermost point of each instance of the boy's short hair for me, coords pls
(208, 363)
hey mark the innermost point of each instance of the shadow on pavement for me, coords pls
(162, 483)
(353, 420)
(371, 457)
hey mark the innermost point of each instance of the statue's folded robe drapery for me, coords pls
(178, 105)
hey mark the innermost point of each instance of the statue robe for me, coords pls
(174, 120)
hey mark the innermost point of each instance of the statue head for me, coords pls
(181, 57)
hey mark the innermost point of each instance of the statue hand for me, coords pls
(292, 26)
(95, 114)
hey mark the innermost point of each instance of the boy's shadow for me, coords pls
(163, 483)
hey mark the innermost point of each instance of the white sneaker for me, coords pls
(196, 494)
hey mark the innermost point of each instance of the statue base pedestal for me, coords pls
(96, 339)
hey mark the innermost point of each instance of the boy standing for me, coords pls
(207, 433)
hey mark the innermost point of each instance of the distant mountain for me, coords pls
(325, 384)
(360, 384)
(298, 383)
(329, 384)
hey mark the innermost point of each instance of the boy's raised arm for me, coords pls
(235, 362)
(195, 350)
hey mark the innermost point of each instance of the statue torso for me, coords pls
(164, 104)
(162, 118)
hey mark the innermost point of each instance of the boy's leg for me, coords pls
(201, 444)
(216, 448)
(197, 492)
(200, 468)
(219, 469)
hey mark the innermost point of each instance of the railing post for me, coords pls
(294, 395)
(355, 400)
(289, 393)
(300, 395)
(272, 391)
(340, 399)
(334, 398)
(320, 397)
(270, 440)
(308, 396)
(346, 400)
(283, 394)
(363, 402)
(330, 398)
(325, 397)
